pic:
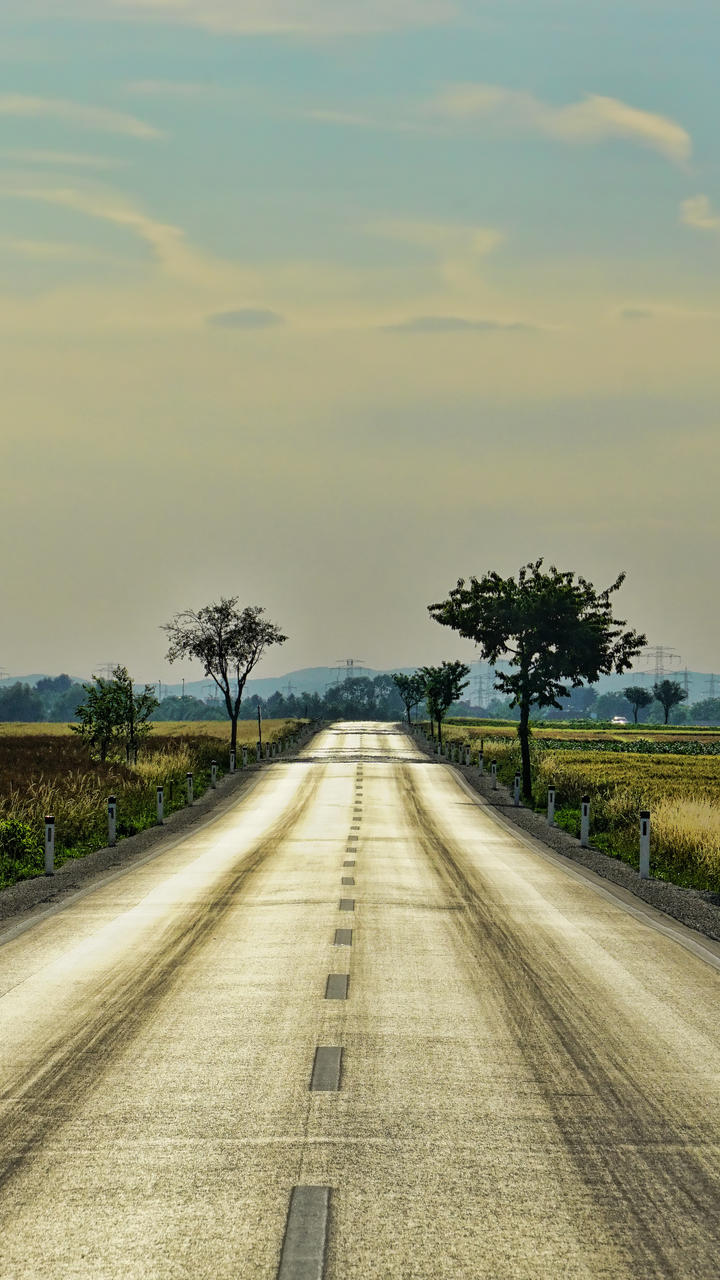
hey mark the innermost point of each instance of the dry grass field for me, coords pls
(45, 768)
(681, 789)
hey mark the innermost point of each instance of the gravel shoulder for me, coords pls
(696, 910)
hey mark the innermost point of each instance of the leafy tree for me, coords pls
(228, 641)
(557, 629)
(114, 716)
(669, 694)
(20, 702)
(638, 698)
(706, 712)
(443, 686)
(54, 684)
(411, 690)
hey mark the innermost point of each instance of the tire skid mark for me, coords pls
(641, 1159)
(58, 1085)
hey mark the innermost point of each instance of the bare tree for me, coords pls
(228, 641)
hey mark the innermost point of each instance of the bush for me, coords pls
(21, 850)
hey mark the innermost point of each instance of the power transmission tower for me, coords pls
(711, 687)
(660, 661)
(106, 668)
(350, 666)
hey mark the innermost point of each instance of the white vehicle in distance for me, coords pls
(619, 720)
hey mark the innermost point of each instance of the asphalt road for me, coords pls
(353, 1027)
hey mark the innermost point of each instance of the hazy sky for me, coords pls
(326, 303)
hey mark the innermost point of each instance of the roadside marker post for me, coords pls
(232, 761)
(112, 821)
(585, 822)
(439, 749)
(551, 805)
(190, 790)
(258, 752)
(49, 845)
(467, 755)
(481, 763)
(213, 773)
(645, 844)
(244, 757)
(160, 806)
(493, 770)
(516, 791)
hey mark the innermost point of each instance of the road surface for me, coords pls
(353, 1027)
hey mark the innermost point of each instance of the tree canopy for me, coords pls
(412, 690)
(112, 716)
(228, 641)
(554, 629)
(638, 698)
(443, 686)
(669, 694)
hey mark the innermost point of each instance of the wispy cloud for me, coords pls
(167, 242)
(97, 118)
(594, 119)
(457, 324)
(303, 18)
(246, 318)
(440, 237)
(52, 251)
(698, 212)
(60, 159)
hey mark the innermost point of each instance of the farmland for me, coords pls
(45, 769)
(676, 776)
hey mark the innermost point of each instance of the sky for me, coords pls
(325, 305)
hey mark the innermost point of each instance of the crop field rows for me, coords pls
(678, 783)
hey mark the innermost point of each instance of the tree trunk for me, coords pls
(667, 714)
(233, 733)
(439, 725)
(524, 736)
(408, 716)
(637, 709)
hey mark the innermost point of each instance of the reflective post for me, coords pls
(112, 821)
(516, 791)
(467, 755)
(232, 761)
(585, 822)
(551, 805)
(189, 783)
(213, 773)
(244, 757)
(481, 763)
(49, 845)
(645, 844)
(493, 770)
(160, 806)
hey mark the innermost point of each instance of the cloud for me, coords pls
(441, 237)
(246, 318)
(52, 251)
(97, 118)
(457, 324)
(594, 119)
(698, 212)
(167, 242)
(60, 159)
(301, 18)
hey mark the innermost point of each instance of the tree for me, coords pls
(706, 712)
(638, 698)
(114, 716)
(443, 686)
(20, 702)
(411, 690)
(669, 694)
(557, 629)
(228, 641)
